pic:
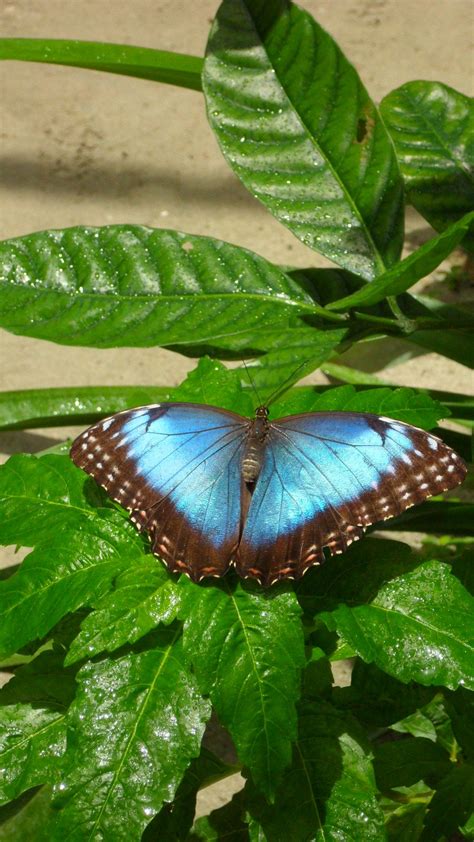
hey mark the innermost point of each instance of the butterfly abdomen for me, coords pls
(252, 459)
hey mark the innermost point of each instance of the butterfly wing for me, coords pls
(326, 477)
(176, 468)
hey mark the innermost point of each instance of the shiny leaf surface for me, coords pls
(432, 127)
(136, 724)
(142, 598)
(246, 647)
(331, 780)
(129, 285)
(298, 128)
(419, 626)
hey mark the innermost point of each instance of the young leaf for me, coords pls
(419, 626)
(247, 647)
(136, 724)
(32, 724)
(329, 791)
(142, 598)
(410, 270)
(432, 127)
(405, 762)
(298, 128)
(141, 62)
(130, 285)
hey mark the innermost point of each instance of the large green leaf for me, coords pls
(452, 804)
(405, 762)
(141, 62)
(246, 646)
(32, 724)
(418, 626)
(136, 724)
(410, 270)
(297, 126)
(142, 598)
(80, 546)
(131, 285)
(432, 126)
(329, 791)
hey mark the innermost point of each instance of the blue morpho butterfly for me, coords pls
(214, 489)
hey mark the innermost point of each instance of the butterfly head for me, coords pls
(261, 412)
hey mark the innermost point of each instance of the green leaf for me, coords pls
(452, 804)
(298, 128)
(403, 404)
(246, 647)
(40, 495)
(419, 626)
(141, 62)
(446, 517)
(142, 598)
(329, 791)
(405, 810)
(410, 270)
(175, 819)
(432, 126)
(32, 724)
(80, 546)
(405, 762)
(27, 818)
(136, 724)
(378, 700)
(127, 285)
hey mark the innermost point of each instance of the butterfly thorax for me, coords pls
(252, 458)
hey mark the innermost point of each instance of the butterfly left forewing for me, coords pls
(326, 477)
(176, 469)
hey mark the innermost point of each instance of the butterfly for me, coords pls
(215, 490)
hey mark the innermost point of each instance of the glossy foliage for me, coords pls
(277, 89)
(114, 664)
(432, 126)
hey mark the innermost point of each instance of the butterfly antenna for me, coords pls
(286, 384)
(247, 369)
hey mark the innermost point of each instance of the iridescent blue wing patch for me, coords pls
(176, 469)
(326, 477)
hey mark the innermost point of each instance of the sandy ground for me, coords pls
(85, 148)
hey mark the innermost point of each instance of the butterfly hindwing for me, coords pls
(176, 468)
(326, 477)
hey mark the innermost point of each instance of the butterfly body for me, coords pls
(252, 459)
(214, 490)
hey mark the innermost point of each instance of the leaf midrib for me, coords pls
(132, 736)
(380, 266)
(450, 153)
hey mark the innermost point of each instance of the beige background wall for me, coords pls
(80, 147)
